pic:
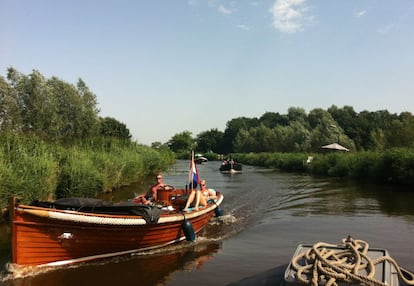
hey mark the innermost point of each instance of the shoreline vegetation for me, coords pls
(393, 166)
(34, 170)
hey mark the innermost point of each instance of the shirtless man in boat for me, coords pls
(151, 195)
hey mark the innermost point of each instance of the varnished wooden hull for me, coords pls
(43, 236)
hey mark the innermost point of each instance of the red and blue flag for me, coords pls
(193, 177)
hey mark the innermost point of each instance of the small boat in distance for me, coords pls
(200, 159)
(78, 230)
(230, 167)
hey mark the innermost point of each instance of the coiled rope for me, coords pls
(331, 264)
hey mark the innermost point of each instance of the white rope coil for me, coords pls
(96, 220)
(331, 264)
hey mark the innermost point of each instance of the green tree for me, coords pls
(326, 130)
(75, 117)
(379, 138)
(297, 114)
(364, 129)
(210, 141)
(89, 111)
(48, 108)
(264, 139)
(110, 127)
(232, 128)
(32, 96)
(292, 138)
(181, 142)
(244, 142)
(273, 119)
(346, 118)
(401, 131)
(372, 126)
(4, 92)
(10, 120)
(318, 117)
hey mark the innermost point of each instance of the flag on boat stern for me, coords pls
(193, 177)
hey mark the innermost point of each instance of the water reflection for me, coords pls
(335, 197)
(146, 268)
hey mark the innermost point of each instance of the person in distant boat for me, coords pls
(202, 196)
(151, 195)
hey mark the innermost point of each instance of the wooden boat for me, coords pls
(231, 167)
(51, 234)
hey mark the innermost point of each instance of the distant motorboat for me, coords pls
(231, 167)
(199, 159)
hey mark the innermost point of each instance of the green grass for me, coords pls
(32, 169)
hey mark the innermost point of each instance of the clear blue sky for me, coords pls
(163, 67)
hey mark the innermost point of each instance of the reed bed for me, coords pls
(33, 169)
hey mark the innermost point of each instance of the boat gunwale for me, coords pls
(112, 219)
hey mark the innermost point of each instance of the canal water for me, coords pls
(267, 214)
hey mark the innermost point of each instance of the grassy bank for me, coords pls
(393, 166)
(32, 169)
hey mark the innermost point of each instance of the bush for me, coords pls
(281, 161)
(394, 166)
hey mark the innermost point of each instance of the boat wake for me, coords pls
(225, 219)
(14, 272)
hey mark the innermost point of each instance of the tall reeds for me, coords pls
(28, 169)
(32, 169)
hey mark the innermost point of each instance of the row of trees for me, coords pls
(298, 131)
(57, 111)
(52, 109)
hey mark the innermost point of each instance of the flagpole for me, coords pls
(193, 177)
(191, 168)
